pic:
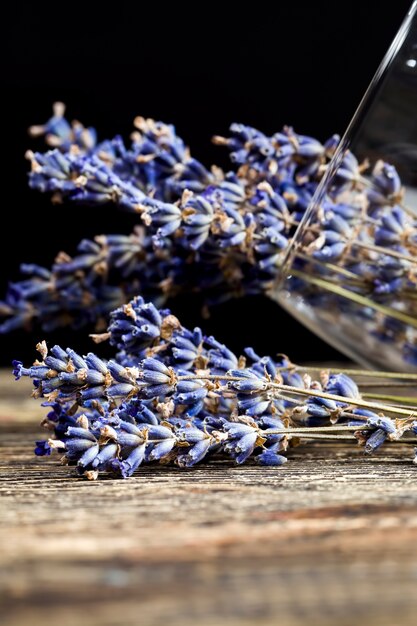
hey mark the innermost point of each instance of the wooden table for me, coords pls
(331, 538)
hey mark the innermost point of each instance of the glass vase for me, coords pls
(351, 271)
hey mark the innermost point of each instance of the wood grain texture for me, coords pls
(330, 538)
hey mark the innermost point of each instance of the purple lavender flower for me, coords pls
(271, 458)
(42, 448)
(375, 440)
(60, 133)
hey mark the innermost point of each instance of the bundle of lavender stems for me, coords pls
(171, 394)
(222, 234)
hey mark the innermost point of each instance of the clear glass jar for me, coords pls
(351, 271)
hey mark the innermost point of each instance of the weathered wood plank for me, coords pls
(329, 538)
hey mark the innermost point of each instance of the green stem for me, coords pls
(330, 266)
(384, 251)
(326, 432)
(355, 297)
(303, 435)
(317, 429)
(305, 392)
(352, 372)
(368, 385)
(350, 401)
(404, 400)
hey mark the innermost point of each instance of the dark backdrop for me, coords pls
(307, 67)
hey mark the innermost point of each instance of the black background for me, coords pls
(307, 66)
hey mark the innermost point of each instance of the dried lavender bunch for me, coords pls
(237, 229)
(234, 232)
(173, 395)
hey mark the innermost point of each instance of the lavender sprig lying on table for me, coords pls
(357, 262)
(173, 395)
